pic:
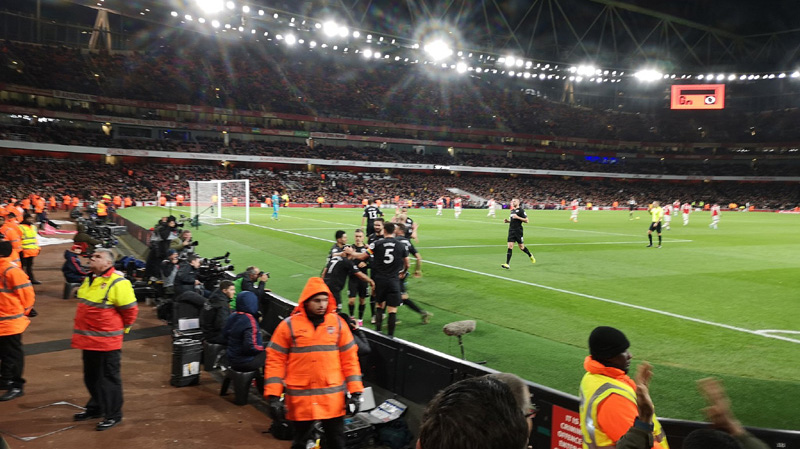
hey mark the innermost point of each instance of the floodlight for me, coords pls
(174, 13)
(260, 12)
(795, 74)
(579, 79)
(478, 70)
(526, 75)
(241, 28)
(541, 76)
(210, 6)
(330, 28)
(356, 33)
(367, 53)
(290, 39)
(585, 70)
(461, 67)
(377, 55)
(438, 50)
(731, 77)
(782, 75)
(230, 5)
(743, 77)
(720, 77)
(511, 73)
(245, 9)
(252, 31)
(344, 32)
(700, 77)
(201, 20)
(509, 61)
(188, 17)
(647, 75)
(312, 44)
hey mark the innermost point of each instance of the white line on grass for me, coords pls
(637, 242)
(582, 295)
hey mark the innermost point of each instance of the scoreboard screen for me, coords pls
(698, 96)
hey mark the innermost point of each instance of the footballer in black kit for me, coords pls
(337, 271)
(357, 287)
(389, 266)
(401, 236)
(515, 232)
(371, 212)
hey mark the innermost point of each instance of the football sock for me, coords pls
(650, 236)
(526, 251)
(378, 319)
(413, 306)
(351, 308)
(361, 308)
(372, 307)
(392, 322)
(508, 256)
(659, 239)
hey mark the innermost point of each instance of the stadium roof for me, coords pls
(738, 35)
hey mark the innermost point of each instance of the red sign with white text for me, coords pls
(566, 431)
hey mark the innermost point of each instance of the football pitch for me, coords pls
(723, 303)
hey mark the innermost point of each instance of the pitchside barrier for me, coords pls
(416, 373)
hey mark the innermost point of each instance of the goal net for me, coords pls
(220, 201)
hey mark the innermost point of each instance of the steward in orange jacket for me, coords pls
(312, 358)
(16, 303)
(106, 311)
(9, 231)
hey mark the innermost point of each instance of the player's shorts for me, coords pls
(655, 227)
(388, 291)
(336, 291)
(667, 218)
(457, 208)
(514, 236)
(357, 288)
(631, 207)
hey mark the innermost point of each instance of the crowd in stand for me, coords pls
(143, 182)
(264, 78)
(51, 133)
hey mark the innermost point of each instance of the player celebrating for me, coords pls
(668, 210)
(457, 206)
(676, 206)
(357, 286)
(714, 216)
(657, 214)
(371, 212)
(491, 205)
(573, 205)
(439, 205)
(389, 268)
(686, 209)
(515, 221)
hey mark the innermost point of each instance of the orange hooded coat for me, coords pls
(314, 367)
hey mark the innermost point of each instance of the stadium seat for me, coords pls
(241, 384)
(212, 354)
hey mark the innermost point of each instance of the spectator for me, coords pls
(241, 332)
(74, 271)
(475, 413)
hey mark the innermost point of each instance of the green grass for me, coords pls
(690, 308)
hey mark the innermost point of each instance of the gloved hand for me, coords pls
(277, 410)
(354, 403)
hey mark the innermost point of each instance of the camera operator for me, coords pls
(184, 243)
(251, 280)
(163, 233)
(216, 311)
(186, 279)
(82, 236)
(169, 270)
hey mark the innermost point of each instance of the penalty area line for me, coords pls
(637, 242)
(620, 303)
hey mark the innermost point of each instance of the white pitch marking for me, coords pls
(638, 242)
(776, 331)
(582, 295)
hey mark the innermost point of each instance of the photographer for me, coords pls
(169, 270)
(215, 312)
(186, 279)
(163, 233)
(184, 243)
(252, 280)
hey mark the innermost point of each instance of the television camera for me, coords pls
(215, 269)
(98, 232)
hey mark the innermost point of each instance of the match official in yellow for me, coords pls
(656, 215)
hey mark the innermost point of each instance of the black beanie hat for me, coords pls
(606, 342)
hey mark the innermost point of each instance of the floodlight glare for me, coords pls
(585, 70)
(647, 75)
(260, 12)
(377, 55)
(188, 17)
(700, 77)
(174, 13)
(344, 32)
(510, 61)
(215, 23)
(782, 75)
(312, 44)
(720, 77)
(731, 77)
(356, 33)
(330, 28)
(245, 9)
(519, 62)
(210, 6)
(290, 39)
(230, 5)
(438, 50)
(201, 20)
(461, 67)
(367, 53)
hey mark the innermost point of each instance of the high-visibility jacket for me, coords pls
(106, 306)
(314, 367)
(76, 201)
(179, 198)
(16, 298)
(162, 201)
(38, 205)
(67, 201)
(608, 407)
(128, 201)
(30, 245)
(53, 203)
(102, 209)
(11, 233)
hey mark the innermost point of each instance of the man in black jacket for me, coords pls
(215, 311)
(186, 279)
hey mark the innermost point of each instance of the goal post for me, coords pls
(220, 201)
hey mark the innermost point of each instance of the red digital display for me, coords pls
(698, 96)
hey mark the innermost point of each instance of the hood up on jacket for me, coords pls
(247, 302)
(314, 286)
